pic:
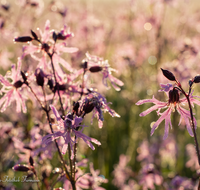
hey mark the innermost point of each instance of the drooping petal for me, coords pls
(186, 115)
(164, 115)
(6, 100)
(167, 123)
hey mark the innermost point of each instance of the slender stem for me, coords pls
(72, 180)
(54, 73)
(61, 157)
(42, 106)
(192, 119)
(193, 129)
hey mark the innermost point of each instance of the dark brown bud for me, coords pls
(21, 168)
(23, 39)
(18, 84)
(5, 7)
(95, 69)
(75, 107)
(61, 87)
(31, 161)
(61, 36)
(50, 83)
(34, 35)
(24, 76)
(88, 106)
(196, 79)
(173, 96)
(84, 65)
(28, 148)
(54, 36)
(39, 77)
(169, 75)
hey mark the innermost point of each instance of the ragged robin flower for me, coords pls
(174, 102)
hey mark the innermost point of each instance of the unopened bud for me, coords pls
(34, 35)
(196, 79)
(39, 77)
(21, 168)
(95, 69)
(169, 75)
(23, 39)
(31, 161)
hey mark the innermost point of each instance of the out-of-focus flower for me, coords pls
(193, 160)
(68, 130)
(12, 90)
(179, 182)
(103, 67)
(173, 102)
(149, 176)
(122, 172)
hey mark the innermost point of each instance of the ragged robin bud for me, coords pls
(23, 39)
(95, 69)
(39, 77)
(21, 168)
(169, 75)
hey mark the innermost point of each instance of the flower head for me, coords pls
(70, 130)
(12, 90)
(174, 101)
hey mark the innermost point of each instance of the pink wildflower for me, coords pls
(105, 69)
(68, 129)
(173, 102)
(12, 90)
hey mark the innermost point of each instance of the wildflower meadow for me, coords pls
(99, 95)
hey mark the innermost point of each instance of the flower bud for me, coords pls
(95, 69)
(34, 35)
(39, 77)
(31, 161)
(21, 168)
(54, 36)
(23, 39)
(169, 75)
(50, 83)
(24, 76)
(196, 79)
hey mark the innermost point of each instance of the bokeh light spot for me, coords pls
(147, 26)
(152, 60)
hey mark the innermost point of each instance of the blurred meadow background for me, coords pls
(137, 37)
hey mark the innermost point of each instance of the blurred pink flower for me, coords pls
(150, 176)
(105, 69)
(68, 129)
(12, 90)
(122, 172)
(173, 102)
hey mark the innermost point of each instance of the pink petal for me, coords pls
(162, 117)
(4, 81)
(46, 34)
(58, 118)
